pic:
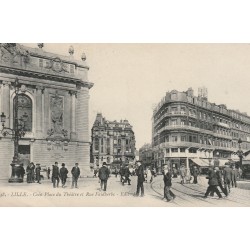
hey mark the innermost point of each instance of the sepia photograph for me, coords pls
(124, 125)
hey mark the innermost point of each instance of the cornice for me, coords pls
(46, 76)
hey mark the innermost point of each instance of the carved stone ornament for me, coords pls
(23, 88)
(56, 113)
(57, 65)
(13, 53)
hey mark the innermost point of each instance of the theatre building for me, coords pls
(53, 105)
(190, 130)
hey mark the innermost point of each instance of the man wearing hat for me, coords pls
(55, 175)
(38, 171)
(196, 172)
(75, 175)
(140, 178)
(104, 175)
(63, 174)
(167, 178)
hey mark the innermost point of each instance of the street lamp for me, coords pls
(240, 152)
(216, 160)
(17, 132)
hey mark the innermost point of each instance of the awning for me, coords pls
(200, 162)
(205, 162)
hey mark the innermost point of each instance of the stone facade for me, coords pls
(188, 129)
(112, 142)
(53, 99)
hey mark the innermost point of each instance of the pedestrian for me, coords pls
(196, 172)
(234, 176)
(126, 176)
(122, 173)
(149, 175)
(240, 173)
(32, 167)
(55, 175)
(227, 174)
(28, 172)
(167, 178)
(219, 177)
(153, 174)
(38, 171)
(116, 172)
(103, 176)
(22, 171)
(63, 174)
(140, 178)
(183, 173)
(75, 175)
(48, 173)
(213, 183)
(175, 172)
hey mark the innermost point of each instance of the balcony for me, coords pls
(228, 137)
(177, 127)
(191, 144)
(222, 124)
(169, 114)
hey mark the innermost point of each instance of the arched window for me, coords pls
(24, 111)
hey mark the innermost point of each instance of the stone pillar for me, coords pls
(6, 102)
(39, 111)
(73, 116)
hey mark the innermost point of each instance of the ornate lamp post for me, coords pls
(240, 152)
(17, 132)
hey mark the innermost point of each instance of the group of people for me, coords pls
(62, 174)
(224, 179)
(34, 174)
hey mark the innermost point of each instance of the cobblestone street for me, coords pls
(89, 194)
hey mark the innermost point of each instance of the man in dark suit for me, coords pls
(213, 183)
(196, 172)
(38, 171)
(140, 179)
(167, 178)
(75, 175)
(63, 174)
(104, 175)
(55, 175)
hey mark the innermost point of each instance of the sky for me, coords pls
(129, 79)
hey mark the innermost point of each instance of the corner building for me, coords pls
(53, 102)
(190, 130)
(112, 142)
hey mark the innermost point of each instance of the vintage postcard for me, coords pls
(124, 125)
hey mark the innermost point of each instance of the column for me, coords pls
(6, 101)
(39, 113)
(73, 115)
